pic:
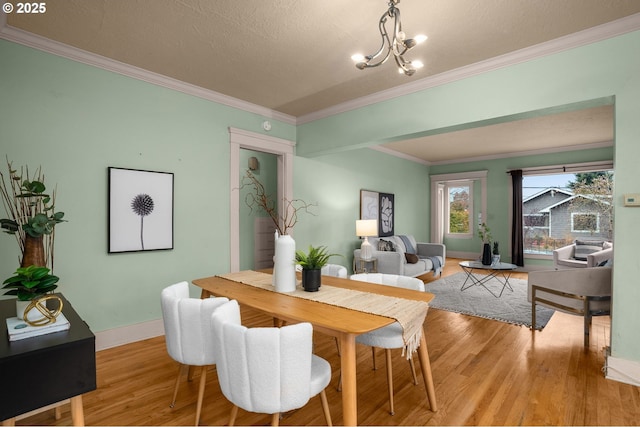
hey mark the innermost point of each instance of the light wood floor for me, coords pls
(485, 373)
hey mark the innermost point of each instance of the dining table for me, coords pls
(332, 319)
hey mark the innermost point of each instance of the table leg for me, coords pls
(425, 366)
(205, 294)
(348, 372)
(77, 413)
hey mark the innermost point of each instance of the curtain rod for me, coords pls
(581, 167)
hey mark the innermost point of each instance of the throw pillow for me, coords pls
(385, 246)
(586, 247)
(411, 258)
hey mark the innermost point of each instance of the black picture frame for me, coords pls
(386, 214)
(140, 210)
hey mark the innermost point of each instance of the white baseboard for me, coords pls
(625, 371)
(463, 255)
(128, 334)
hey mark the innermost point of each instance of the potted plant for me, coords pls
(484, 232)
(312, 263)
(29, 283)
(496, 254)
(32, 215)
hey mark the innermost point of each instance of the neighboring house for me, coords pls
(553, 218)
(536, 217)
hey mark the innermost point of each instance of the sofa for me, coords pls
(403, 256)
(583, 254)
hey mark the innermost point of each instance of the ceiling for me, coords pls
(293, 56)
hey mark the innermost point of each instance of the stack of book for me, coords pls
(18, 329)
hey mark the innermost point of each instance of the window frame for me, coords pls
(447, 232)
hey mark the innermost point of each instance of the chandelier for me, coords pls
(395, 43)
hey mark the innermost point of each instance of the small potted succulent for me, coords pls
(312, 263)
(496, 254)
(29, 283)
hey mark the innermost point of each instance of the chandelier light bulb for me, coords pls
(357, 57)
(420, 38)
(417, 64)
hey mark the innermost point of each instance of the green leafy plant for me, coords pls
(30, 282)
(30, 209)
(484, 233)
(496, 249)
(315, 259)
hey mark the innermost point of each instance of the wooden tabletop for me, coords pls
(327, 318)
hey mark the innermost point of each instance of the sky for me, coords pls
(535, 183)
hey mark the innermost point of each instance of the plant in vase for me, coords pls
(284, 273)
(484, 232)
(32, 216)
(312, 263)
(29, 284)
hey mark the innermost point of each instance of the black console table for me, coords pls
(43, 370)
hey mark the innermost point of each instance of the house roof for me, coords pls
(568, 200)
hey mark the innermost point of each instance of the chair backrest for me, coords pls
(391, 280)
(263, 370)
(335, 270)
(187, 325)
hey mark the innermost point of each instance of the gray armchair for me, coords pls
(583, 254)
(585, 292)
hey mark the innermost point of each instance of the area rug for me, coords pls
(511, 307)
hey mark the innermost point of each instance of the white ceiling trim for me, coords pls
(528, 153)
(404, 156)
(581, 38)
(25, 38)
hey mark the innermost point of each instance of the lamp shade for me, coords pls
(366, 227)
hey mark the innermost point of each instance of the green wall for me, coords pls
(77, 120)
(577, 78)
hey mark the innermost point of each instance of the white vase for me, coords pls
(284, 266)
(34, 314)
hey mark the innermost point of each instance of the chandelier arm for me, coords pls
(385, 41)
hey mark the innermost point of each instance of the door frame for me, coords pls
(284, 150)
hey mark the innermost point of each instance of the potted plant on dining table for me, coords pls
(312, 263)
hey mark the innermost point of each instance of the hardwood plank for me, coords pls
(485, 373)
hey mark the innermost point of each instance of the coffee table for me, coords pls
(501, 271)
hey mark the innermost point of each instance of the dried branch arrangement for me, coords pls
(259, 199)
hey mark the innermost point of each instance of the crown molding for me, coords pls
(404, 156)
(571, 41)
(44, 44)
(527, 153)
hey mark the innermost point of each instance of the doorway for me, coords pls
(283, 150)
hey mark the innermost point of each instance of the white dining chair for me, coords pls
(267, 370)
(188, 334)
(335, 270)
(388, 337)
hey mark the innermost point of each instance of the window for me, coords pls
(459, 208)
(560, 207)
(585, 223)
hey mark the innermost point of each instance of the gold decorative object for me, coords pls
(41, 305)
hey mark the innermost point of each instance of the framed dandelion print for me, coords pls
(140, 210)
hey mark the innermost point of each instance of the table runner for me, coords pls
(409, 313)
